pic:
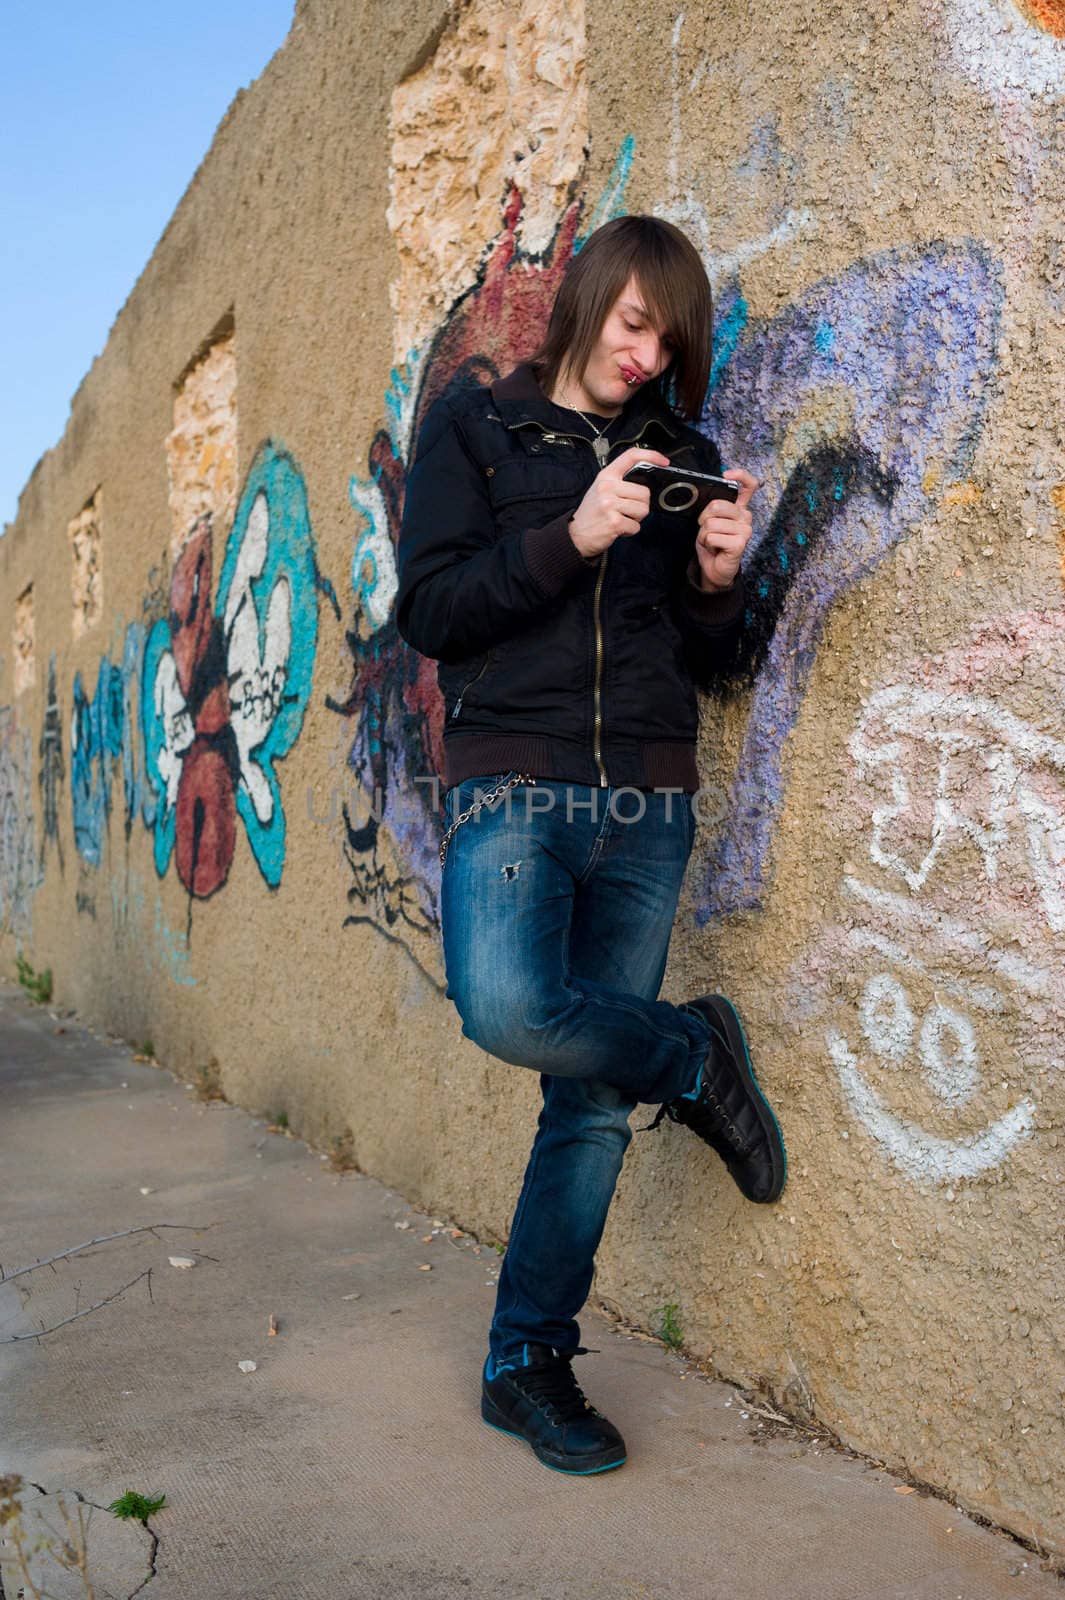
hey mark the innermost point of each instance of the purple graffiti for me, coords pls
(855, 408)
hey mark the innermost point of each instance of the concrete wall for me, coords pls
(202, 687)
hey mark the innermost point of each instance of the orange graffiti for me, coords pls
(1057, 494)
(1048, 14)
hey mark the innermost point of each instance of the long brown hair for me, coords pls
(675, 290)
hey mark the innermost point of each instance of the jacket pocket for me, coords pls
(471, 680)
(517, 480)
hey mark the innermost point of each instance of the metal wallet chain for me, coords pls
(486, 799)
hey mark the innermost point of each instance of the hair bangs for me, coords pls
(676, 296)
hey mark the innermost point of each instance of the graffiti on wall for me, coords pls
(51, 769)
(105, 731)
(140, 929)
(20, 872)
(393, 699)
(1013, 51)
(96, 734)
(953, 904)
(855, 408)
(195, 711)
(226, 687)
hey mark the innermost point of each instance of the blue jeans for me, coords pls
(556, 925)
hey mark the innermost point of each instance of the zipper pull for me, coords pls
(458, 706)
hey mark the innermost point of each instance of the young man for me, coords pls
(571, 623)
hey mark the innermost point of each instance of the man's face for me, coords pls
(630, 351)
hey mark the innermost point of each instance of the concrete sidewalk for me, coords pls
(352, 1464)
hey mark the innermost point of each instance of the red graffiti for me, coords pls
(206, 813)
(500, 322)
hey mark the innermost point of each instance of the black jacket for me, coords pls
(549, 663)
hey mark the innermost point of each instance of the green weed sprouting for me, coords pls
(132, 1504)
(668, 1329)
(38, 985)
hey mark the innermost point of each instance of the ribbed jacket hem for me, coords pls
(659, 764)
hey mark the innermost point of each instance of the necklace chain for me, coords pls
(599, 444)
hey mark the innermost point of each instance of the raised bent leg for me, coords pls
(545, 923)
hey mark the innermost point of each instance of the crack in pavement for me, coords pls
(85, 1501)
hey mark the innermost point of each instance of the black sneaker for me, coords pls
(728, 1109)
(541, 1402)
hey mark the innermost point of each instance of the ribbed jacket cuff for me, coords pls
(712, 610)
(551, 555)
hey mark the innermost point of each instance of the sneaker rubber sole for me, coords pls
(606, 1461)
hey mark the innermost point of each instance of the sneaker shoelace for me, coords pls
(708, 1103)
(551, 1386)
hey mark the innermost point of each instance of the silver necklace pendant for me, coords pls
(601, 448)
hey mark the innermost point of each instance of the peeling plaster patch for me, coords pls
(24, 642)
(958, 494)
(201, 449)
(86, 575)
(502, 102)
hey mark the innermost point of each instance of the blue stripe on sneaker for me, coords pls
(583, 1472)
(568, 1472)
(693, 1094)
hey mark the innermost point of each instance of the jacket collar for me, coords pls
(520, 398)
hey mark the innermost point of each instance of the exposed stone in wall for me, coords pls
(201, 448)
(86, 578)
(502, 101)
(24, 642)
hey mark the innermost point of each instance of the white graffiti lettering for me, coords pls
(955, 789)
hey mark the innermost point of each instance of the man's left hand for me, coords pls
(724, 530)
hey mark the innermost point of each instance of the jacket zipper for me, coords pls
(551, 436)
(598, 691)
(462, 692)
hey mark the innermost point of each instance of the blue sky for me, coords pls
(106, 110)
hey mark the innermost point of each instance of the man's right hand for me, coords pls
(613, 507)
